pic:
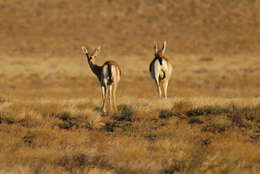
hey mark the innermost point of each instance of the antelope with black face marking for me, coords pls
(161, 69)
(108, 74)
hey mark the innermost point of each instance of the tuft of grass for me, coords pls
(182, 107)
(239, 115)
(122, 121)
(218, 125)
(208, 110)
(185, 109)
(125, 113)
(174, 166)
(74, 161)
(79, 161)
(29, 138)
(165, 114)
(64, 116)
(120, 126)
(94, 121)
(195, 120)
(4, 118)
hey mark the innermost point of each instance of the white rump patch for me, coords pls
(113, 72)
(105, 71)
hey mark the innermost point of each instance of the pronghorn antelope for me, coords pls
(108, 75)
(160, 69)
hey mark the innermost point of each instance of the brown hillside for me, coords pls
(60, 27)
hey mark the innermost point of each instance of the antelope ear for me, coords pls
(84, 49)
(97, 50)
(155, 47)
(164, 47)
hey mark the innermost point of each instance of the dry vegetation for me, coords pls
(50, 119)
(59, 27)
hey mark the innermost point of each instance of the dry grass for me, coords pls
(58, 136)
(51, 28)
(50, 120)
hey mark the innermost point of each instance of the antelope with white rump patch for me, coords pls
(160, 69)
(108, 75)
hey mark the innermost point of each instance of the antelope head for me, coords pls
(91, 56)
(160, 52)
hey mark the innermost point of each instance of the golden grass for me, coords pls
(50, 120)
(51, 28)
(37, 138)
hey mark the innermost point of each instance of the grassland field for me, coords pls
(50, 118)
